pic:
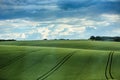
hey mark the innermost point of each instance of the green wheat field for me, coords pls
(59, 60)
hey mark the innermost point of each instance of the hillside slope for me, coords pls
(75, 60)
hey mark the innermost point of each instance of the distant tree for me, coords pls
(117, 39)
(92, 38)
(7, 40)
(61, 39)
(98, 38)
(45, 39)
(11, 40)
(2, 40)
(105, 38)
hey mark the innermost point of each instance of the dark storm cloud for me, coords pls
(53, 9)
(27, 2)
(107, 7)
(34, 9)
(74, 4)
(91, 6)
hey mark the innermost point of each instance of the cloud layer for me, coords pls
(39, 19)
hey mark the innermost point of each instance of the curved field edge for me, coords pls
(83, 65)
(76, 44)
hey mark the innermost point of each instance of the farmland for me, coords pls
(59, 60)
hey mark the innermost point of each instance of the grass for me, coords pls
(29, 60)
(83, 44)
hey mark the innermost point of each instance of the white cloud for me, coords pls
(23, 36)
(65, 29)
(53, 28)
(111, 17)
(83, 22)
(44, 32)
(36, 7)
(13, 36)
(18, 23)
(117, 31)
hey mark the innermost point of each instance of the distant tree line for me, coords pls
(57, 39)
(7, 40)
(105, 38)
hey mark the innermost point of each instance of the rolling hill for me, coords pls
(59, 60)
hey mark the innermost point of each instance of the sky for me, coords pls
(58, 19)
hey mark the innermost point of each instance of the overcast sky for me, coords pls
(54, 19)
